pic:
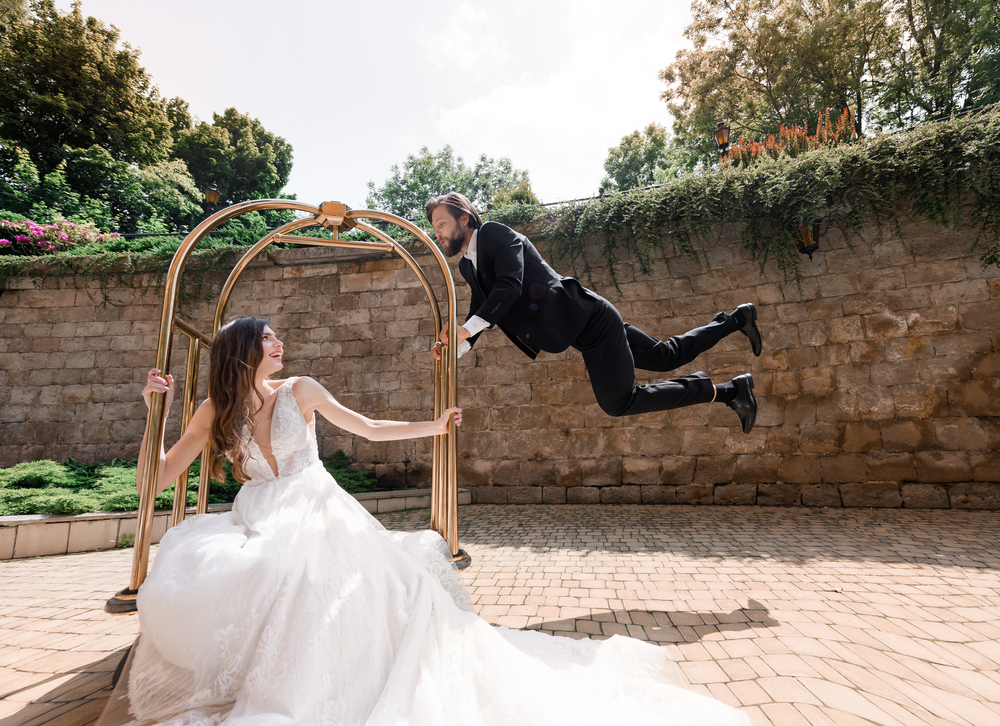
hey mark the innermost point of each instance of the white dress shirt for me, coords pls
(475, 324)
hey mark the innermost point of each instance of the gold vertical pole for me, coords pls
(204, 480)
(190, 394)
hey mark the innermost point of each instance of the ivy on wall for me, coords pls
(944, 173)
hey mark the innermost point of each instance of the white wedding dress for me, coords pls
(298, 607)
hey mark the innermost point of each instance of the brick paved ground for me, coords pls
(798, 616)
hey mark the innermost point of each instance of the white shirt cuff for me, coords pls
(463, 348)
(475, 324)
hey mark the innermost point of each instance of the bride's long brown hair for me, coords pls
(237, 351)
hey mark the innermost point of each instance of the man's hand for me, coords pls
(442, 342)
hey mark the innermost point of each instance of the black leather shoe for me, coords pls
(749, 328)
(745, 403)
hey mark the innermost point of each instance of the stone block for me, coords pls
(626, 494)
(735, 494)
(583, 495)
(883, 325)
(756, 468)
(524, 495)
(985, 465)
(965, 434)
(391, 504)
(658, 494)
(975, 398)
(553, 495)
(489, 495)
(35, 540)
(860, 436)
(890, 467)
(694, 494)
(86, 535)
(843, 468)
(981, 315)
(975, 495)
(910, 435)
(640, 470)
(924, 496)
(779, 495)
(800, 469)
(871, 494)
(7, 537)
(930, 321)
(714, 470)
(677, 470)
(942, 466)
(819, 495)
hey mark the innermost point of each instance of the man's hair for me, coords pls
(457, 205)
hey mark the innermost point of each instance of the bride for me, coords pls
(298, 607)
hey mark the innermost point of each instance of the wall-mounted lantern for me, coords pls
(722, 138)
(808, 241)
(212, 195)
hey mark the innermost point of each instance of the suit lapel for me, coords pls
(469, 273)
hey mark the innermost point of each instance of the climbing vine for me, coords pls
(945, 173)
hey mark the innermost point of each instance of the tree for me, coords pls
(521, 194)
(779, 62)
(235, 152)
(948, 62)
(408, 189)
(635, 161)
(65, 82)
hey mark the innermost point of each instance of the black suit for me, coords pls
(538, 309)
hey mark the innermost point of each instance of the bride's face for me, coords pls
(271, 362)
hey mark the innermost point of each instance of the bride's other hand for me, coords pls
(155, 383)
(443, 420)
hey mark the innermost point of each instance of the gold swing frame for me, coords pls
(337, 218)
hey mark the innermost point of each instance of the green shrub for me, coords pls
(351, 481)
(36, 475)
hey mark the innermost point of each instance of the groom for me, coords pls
(538, 309)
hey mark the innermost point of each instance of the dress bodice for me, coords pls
(293, 441)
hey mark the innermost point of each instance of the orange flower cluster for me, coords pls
(795, 140)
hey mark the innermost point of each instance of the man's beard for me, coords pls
(452, 245)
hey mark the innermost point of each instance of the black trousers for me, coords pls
(613, 350)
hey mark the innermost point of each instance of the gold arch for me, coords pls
(336, 218)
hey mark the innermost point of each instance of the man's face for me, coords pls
(450, 232)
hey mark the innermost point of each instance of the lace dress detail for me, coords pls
(298, 607)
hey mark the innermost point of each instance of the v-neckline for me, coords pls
(270, 435)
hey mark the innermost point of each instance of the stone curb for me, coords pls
(37, 535)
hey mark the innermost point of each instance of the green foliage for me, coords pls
(943, 173)
(408, 189)
(66, 82)
(634, 162)
(763, 64)
(521, 194)
(949, 61)
(235, 152)
(47, 487)
(351, 481)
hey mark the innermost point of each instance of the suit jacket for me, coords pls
(514, 288)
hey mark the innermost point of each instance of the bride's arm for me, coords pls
(181, 454)
(311, 396)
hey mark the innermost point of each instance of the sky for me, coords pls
(356, 87)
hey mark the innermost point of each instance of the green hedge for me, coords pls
(48, 487)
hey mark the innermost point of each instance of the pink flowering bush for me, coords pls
(29, 238)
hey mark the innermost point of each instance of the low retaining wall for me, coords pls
(879, 384)
(35, 535)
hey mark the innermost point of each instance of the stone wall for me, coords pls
(879, 384)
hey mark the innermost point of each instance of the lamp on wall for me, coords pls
(722, 138)
(212, 194)
(808, 241)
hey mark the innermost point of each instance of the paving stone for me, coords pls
(800, 616)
